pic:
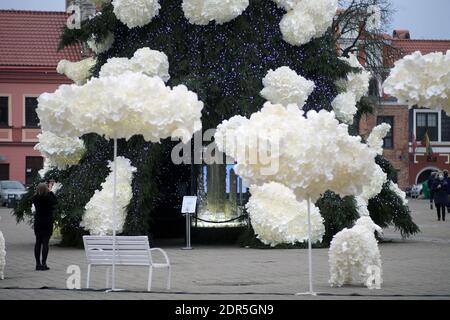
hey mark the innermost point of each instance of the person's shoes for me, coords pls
(431, 206)
(45, 268)
(39, 267)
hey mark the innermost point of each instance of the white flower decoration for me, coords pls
(60, 152)
(149, 62)
(47, 167)
(98, 216)
(399, 192)
(421, 80)
(309, 155)
(285, 86)
(375, 139)
(277, 217)
(99, 47)
(344, 105)
(136, 13)
(354, 252)
(307, 20)
(79, 72)
(202, 12)
(122, 106)
(356, 82)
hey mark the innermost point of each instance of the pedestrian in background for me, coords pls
(431, 180)
(44, 201)
(440, 189)
(447, 178)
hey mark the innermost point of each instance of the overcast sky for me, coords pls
(426, 19)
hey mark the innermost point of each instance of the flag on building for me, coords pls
(427, 144)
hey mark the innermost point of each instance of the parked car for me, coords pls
(11, 190)
(416, 191)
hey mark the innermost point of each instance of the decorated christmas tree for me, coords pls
(222, 51)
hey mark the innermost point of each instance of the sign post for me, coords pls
(188, 208)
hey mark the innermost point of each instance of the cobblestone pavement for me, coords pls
(413, 268)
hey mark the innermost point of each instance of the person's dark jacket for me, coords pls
(440, 192)
(43, 219)
(431, 185)
(448, 186)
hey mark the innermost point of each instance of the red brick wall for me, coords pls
(399, 155)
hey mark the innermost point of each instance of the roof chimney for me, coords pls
(401, 34)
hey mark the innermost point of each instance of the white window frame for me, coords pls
(438, 124)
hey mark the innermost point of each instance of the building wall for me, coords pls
(17, 142)
(399, 155)
(409, 165)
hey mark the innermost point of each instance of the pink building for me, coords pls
(28, 60)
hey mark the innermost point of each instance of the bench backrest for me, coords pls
(130, 251)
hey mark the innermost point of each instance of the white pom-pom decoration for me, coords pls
(285, 86)
(60, 152)
(144, 60)
(307, 20)
(356, 82)
(277, 217)
(309, 155)
(79, 72)
(122, 106)
(421, 80)
(344, 105)
(375, 139)
(98, 216)
(136, 13)
(202, 12)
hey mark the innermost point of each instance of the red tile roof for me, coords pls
(30, 38)
(424, 46)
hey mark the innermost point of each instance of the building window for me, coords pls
(4, 112)
(445, 125)
(31, 117)
(4, 171)
(33, 165)
(388, 141)
(427, 122)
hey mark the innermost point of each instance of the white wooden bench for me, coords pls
(130, 251)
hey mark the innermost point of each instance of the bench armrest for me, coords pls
(163, 253)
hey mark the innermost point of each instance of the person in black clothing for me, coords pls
(44, 202)
(440, 195)
(430, 182)
(447, 178)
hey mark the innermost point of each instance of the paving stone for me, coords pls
(412, 268)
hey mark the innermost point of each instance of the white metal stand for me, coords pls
(311, 290)
(113, 273)
(188, 232)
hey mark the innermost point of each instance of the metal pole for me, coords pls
(113, 274)
(188, 232)
(311, 291)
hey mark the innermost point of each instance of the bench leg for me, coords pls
(88, 276)
(150, 274)
(169, 276)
